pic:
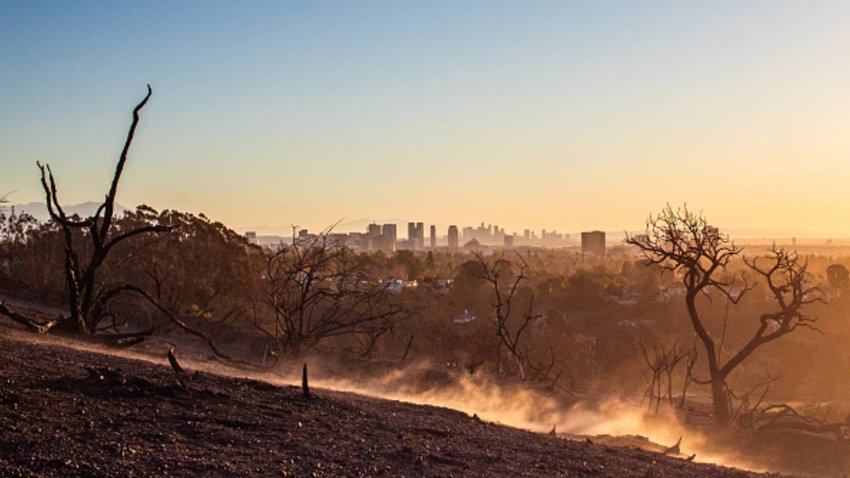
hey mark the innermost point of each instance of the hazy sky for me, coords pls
(563, 115)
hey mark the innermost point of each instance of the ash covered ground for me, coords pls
(67, 412)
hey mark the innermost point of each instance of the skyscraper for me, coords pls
(390, 232)
(433, 236)
(453, 238)
(416, 234)
(389, 236)
(593, 243)
(411, 234)
(420, 233)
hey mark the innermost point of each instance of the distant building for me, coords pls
(251, 237)
(420, 234)
(390, 231)
(454, 240)
(374, 230)
(509, 241)
(411, 235)
(433, 236)
(593, 243)
(415, 235)
(379, 238)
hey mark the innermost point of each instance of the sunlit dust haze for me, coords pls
(537, 412)
(499, 403)
(558, 115)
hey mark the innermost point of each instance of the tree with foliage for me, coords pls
(838, 277)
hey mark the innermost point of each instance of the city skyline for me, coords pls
(39, 210)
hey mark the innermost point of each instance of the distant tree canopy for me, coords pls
(838, 277)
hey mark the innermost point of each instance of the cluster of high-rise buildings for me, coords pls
(384, 237)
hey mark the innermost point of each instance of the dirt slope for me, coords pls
(133, 418)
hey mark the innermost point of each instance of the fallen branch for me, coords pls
(186, 328)
(31, 324)
(784, 417)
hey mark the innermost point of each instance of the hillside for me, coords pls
(135, 418)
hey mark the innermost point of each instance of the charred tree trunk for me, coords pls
(305, 386)
(720, 400)
(85, 301)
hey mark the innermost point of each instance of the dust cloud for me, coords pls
(615, 421)
(612, 421)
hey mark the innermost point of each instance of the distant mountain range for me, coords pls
(38, 210)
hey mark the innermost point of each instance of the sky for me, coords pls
(558, 115)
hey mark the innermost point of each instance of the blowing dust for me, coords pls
(538, 411)
(612, 420)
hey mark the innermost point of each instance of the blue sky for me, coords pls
(560, 115)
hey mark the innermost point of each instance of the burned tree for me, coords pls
(510, 321)
(87, 244)
(684, 243)
(316, 289)
(662, 363)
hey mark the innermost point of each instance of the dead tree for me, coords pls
(655, 364)
(684, 243)
(690, 365)
(784, 417)
(86, 298)
(510, 323)
(315, 289)
(662, 363)
(749, 402)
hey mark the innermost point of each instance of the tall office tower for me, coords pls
(593, 243)
(420, 234)
(390, 232)
(508, 241)
(416, 235)
(374, 230)
(433, 237)
(453, 238)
